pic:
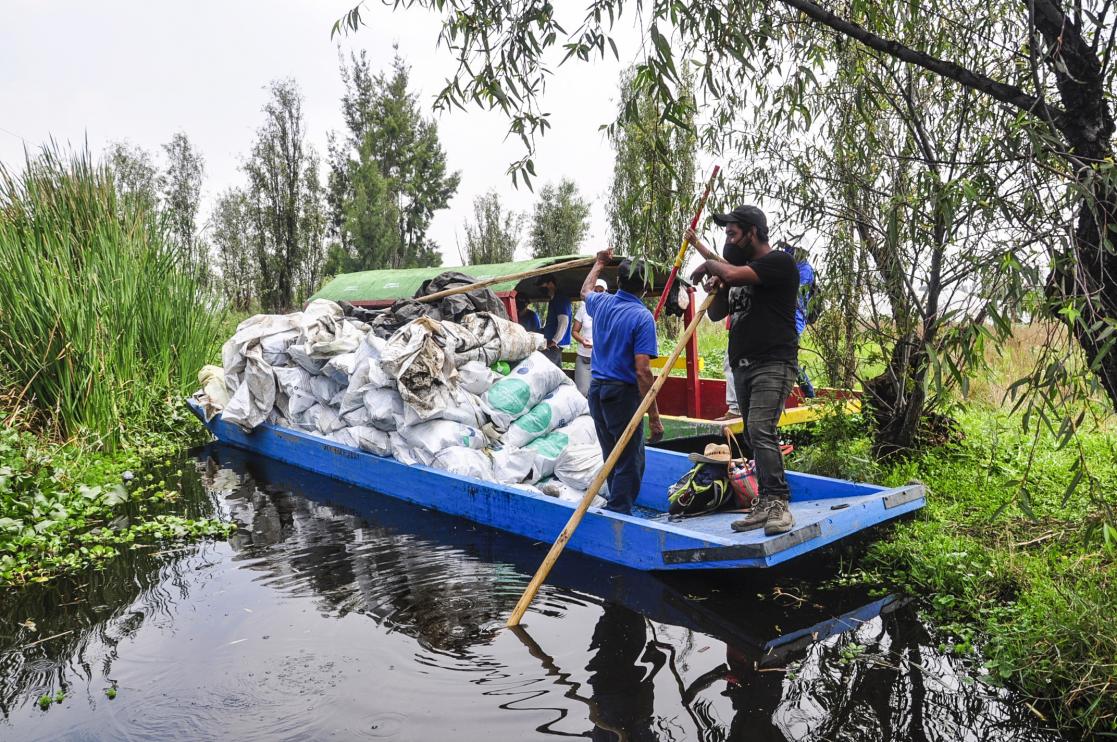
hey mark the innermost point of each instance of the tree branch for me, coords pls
(1010, 94)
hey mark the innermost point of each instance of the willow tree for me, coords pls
(494, 233)
(653, 173)
(560, 221)
(1050, 70)
(284, 203)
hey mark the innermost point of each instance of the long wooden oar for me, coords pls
(682, 250)
(553, 268)
(636, 422)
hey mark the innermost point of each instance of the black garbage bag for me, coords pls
(455, 307)
(677, 298)
(384, 322)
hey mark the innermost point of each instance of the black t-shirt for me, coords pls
(762, 317)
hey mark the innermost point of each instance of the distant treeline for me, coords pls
(271, 241)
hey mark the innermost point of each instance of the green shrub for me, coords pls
(99, 323)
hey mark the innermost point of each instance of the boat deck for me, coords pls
(813, 518)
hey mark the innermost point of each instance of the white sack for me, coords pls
(357, 416)
(251, 333)
(274, 347)
(578, 464)
(401, 450)
(548, 448)
(526, 488)
(326, 331)
(427, 439)
(213, 396)
(528, 383)
(555, 410)
(300, 355)
(424, 371)
(324, 389)
(503, 340)
(293, 385)
(467, 462)
(318, 419)
(512, 465)
(366, 367)
(365, 438)
(461, 406)
(476, 378)
(254, 398)
(537, 460)
(384, 406)
(340, 368)
(566, 493)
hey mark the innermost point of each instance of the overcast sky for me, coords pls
(139, 71)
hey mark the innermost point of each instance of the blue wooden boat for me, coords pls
(826, 510)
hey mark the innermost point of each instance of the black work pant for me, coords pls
(762, 390)
(612, 405)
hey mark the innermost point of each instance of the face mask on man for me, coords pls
(736, 254)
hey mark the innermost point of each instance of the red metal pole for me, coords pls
(682, 250)
(693, 382)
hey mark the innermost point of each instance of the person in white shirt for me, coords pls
(583, 336)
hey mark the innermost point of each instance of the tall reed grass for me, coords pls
(99, 322)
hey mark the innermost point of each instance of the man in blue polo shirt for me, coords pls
(624, 344)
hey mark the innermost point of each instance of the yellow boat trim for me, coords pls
(804, 413)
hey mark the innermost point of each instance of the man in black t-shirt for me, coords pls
(757, 288)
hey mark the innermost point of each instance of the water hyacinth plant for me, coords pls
(99, 321)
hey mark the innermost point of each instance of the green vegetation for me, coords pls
(65, 507)
(100, 323)
(1011, 561)
(104, 328)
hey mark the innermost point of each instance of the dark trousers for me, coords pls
(554, 355)
(612, 405)
(762, 390)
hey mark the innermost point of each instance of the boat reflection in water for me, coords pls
(606, 652)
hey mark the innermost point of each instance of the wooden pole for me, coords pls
(553, 268)
(635, 423)
(681, 256)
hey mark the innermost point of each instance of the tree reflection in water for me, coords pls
(635, 656)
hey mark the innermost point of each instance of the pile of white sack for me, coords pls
(426, 395)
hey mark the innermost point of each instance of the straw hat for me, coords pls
(715, 453)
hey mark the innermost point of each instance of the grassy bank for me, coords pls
(1004, 558)
(1015, 567)
(102, 331)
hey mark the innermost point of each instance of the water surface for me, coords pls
(334, 613)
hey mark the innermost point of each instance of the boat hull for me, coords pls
(826, 510)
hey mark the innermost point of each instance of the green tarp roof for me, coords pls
(388, 285)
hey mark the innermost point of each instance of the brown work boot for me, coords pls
(730, 415)
(755, 519)
(780, 519)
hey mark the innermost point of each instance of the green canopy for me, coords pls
(389, 285)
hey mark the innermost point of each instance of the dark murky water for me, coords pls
(338, 614)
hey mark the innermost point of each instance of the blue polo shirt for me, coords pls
(622, 329)
(557, 307)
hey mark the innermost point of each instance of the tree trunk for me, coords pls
(895, 400)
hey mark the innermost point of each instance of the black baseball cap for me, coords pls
(742, 215)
